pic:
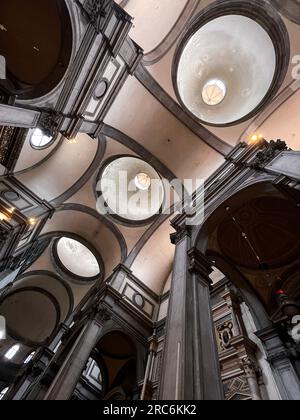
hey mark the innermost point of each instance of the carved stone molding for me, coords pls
(269, 152)
(225, 334)
(94, 10)
(49, 122)
(181, 232)
(103, 315)
(250, 367)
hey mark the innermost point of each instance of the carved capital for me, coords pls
(48, 122)
(199, 264)
(250, 367)
(268, 153)
(102, 314)
(94, 11)
(180, 233)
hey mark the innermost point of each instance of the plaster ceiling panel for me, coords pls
(273, 128)
(153, 19)
(289, 8)
(151, 124)
(153, 264)
(42, 263)
(61, 171)
(29, 156)
(162, 72)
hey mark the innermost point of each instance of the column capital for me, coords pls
(249, 366)
(268, 153)
(199, 263)
(181, 232)
(49, 121)
(102, 314)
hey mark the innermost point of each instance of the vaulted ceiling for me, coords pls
(148, 121)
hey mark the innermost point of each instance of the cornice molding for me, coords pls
(200, 264)
(181, 233)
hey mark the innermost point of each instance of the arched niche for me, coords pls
(32, 315)
(35, 305)
(117, 354)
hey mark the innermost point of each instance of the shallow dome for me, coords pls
(131, 189)
(77, 258)
(238, 55)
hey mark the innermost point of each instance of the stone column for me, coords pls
(69, 374)
(250, 369)
(285, 375)
(190, 368)
(147, 382)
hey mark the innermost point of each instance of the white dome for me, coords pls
(235, 53)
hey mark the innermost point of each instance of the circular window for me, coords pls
(38, 140)
(77, 259)
(214, 92)
(130, 190)
(220, 75)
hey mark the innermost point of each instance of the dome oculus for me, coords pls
(214, 91)
(142, 181)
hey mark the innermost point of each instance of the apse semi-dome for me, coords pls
(77, 258)
(130, 190)
(228, 64)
